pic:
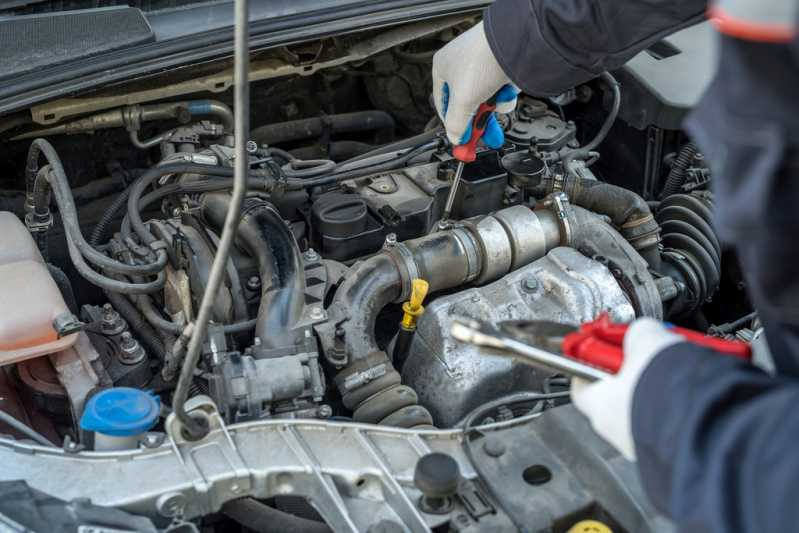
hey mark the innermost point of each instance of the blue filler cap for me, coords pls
(120, 412)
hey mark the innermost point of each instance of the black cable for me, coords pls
(584, 152)
(367, 170)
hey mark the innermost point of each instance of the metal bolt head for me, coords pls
(324, 411)
(254, 283)
(529, 284)
(252, 147)
(171, 504)
(153, 440)
(311, 255)
(391, 239)
(317, 313)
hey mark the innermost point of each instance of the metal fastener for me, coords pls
(317, 313)
(529, 284)
(324, 411)
(252, 147)
(311, 255)
(171, 504)
(254, 283)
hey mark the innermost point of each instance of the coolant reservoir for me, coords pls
(29, 298)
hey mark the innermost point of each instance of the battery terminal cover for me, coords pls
(30, 300)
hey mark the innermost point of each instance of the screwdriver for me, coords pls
(466, 153)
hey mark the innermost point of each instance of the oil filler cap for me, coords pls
(120, 412)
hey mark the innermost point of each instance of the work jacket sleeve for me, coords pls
(716, 441)
(548, 46)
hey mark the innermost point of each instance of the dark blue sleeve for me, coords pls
(549, 46)
(716, 441)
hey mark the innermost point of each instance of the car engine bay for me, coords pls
(321, 383)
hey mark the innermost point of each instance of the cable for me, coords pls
(52, 178)
(584, 152)
(367, 170)
(193, 427)
(25, 430)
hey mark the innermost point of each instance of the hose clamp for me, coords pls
(470, 247)
(558, 203)
(406, 264)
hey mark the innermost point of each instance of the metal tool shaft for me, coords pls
(453, 190)
(557, 363)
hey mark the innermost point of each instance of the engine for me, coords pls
(307, 320)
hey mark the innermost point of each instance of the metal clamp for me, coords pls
(558, 203)
(406, 264)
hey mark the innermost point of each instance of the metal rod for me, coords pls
(453, 190)
(194, 428)
(25, 430)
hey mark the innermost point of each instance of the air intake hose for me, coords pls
(629, 212)
(264, 236)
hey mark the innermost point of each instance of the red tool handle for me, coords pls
(467, 152)
(599, 343)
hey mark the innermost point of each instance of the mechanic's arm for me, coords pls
(544, 47)
(548, 46)
(715, 438)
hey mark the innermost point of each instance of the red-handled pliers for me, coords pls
(591, 351)
(599, 343)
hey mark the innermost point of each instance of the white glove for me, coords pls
(466, 74)
(608, 403)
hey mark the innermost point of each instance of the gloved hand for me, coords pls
(466, 74)
(608, 403)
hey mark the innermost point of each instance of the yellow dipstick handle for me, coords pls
(589, 526)
(413, 308)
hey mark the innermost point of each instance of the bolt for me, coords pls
(252, 147)
(317, 313)
(254, 283)
(311, 255)
(494, 447)
(131, 351)
(324, 411)
(171, 504)
(235, 489)
(391, 239)
(529, 284)
(153, 440)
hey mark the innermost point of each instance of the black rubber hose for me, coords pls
(64, 286)
(157, 321)
(307, 128)
(336, 150)
(679, 170)
(265, 237)
(140, 185)
(101, 228)
(257, 516)
(367, 170)
(136, 322)
(55, 180)
(627, 210)
(403, 144)
(192, 187)
(584, 152)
